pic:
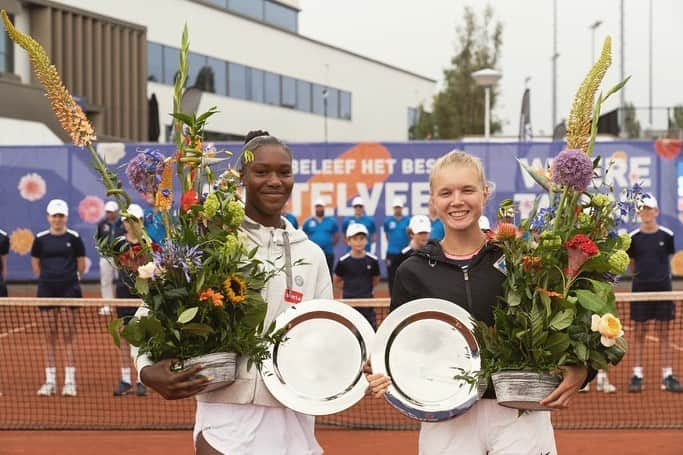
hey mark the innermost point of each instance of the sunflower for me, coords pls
(235, 288)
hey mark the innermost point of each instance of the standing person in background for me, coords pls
(107, 230)
(651, 248)
(419, 228)
(125, 289)
(359, 216)
(290, 217)
(57, 259)
(396, 232)
(437, 226)
(357, 272)
(4, 251)
(323, 231)
(153, 221)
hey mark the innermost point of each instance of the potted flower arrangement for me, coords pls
(560, 263)
(200, 285)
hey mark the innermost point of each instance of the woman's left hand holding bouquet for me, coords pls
(173, 385)
(572, 380)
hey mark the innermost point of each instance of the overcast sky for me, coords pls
(420, 36)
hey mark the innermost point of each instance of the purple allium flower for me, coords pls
(144, 171)
(180, 257)
(572, 168)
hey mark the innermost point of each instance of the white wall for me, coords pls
(380, 95)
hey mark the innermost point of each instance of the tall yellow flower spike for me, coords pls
(580, 117)
(164, 196)
(69, 113)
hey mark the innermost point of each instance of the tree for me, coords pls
(677, 120)
(631, 123)
(458, 109)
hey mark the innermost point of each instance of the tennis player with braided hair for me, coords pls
(244, 418)
(459, 191)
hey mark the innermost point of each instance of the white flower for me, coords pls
(148, 270)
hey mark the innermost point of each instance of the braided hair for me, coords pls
(256, 139)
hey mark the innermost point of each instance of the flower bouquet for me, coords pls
(199, 283)
(560, 263)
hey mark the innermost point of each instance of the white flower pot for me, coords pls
(523, 389)
(220, 366)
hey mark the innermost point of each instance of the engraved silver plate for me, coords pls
(318, 368)
(423, 346)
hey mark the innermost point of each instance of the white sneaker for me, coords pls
(69, 390)
(603, 384)
(105, 310)
(47, 389)
(585, 389)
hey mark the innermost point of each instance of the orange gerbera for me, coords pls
(235, 288)
(531, 262)
(216, 298)
(505, 231)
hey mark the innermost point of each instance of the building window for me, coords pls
(288, 91)
(319, 99)
(344, 105)
(412, 122)
(272, 88)
(237, 81)
(6, 53)
(333, 102)
(220, 76)
(250, 8)
(281, 16)
(303, 96)
(155, 62)
(171, 57)
(257, 85)
(195, 64)
(219, 3)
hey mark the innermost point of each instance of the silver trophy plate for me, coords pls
(318, 367)
(424, 345)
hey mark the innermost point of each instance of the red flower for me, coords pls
(189, 199)
(579, 249)
(133, 258)
(583, 243)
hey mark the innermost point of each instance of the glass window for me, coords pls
(6, 53)
(171, 56)
(257, 85)
(195, 63)
(272, 88)
(281, 16)
(251, 8)
(303, 96)
(219, 76)
(344, 105)
(155, 62)
(319, 99)
(288, 91)
(237, 81)
(333, 102)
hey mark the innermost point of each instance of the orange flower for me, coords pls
(531, 262)
(70, 115)
(216, 298)
(164, 196)
(505, 231)
(235, 288)
(549, 293)
(21, 241)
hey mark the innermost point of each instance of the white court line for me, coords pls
(17, 330)
(656, 340)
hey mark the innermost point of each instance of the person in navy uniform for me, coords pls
(359, 216)
(108, 229)
(396, 232)
(57, 259)
(4, 251)
(357, 272)
(125, 289)
(651, 248)
(323, 231)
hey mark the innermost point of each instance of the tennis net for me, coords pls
(97, 360)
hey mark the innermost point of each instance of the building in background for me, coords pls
(247, 58)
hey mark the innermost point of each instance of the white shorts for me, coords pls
(488, 428)
(246, 429)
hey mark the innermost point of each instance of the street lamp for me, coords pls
(593, 27)
(487, 78)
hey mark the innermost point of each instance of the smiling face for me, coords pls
(268, 181)
(458, 195)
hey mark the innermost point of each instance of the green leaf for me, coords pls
(142, 286)
(562, 320)
(557, 343)
(590, 301)
(581, 351)
(187, 315)
(133, 332)
(114, 328)
(196, 328)
(513, 298)
(539, 178)
(176, 293)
